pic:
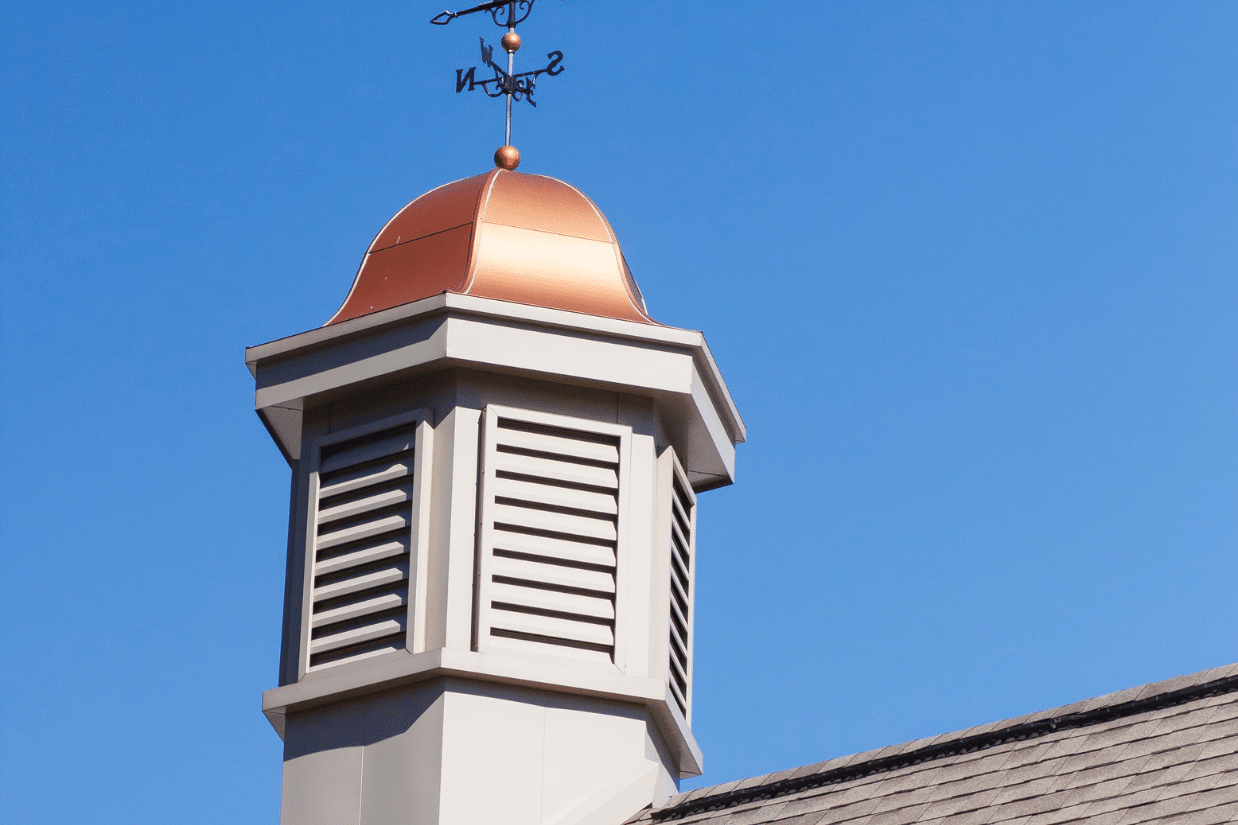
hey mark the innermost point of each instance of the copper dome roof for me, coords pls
(516, 237)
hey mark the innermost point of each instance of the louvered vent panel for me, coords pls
(361, 554)
(682, 505)
(554, 504)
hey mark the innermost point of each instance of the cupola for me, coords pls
(495, 458)
(506, 235)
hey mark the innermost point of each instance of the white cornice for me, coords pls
(672, 365)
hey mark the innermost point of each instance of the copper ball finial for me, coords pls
(511, 42)
(507, 157)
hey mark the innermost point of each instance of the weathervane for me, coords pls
(506, 82)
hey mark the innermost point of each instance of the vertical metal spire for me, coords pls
(505, 82)
(511, 70)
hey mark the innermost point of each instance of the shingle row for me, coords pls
(1176, 765)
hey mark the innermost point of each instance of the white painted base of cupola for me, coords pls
(459, 752)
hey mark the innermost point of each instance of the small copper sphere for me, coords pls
(507, 157)
(511, 42)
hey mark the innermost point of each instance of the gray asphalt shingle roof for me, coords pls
(1161, 753)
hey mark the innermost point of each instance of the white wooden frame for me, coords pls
(485, 521)
(419, 528)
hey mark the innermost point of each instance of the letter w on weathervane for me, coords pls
(520, 86)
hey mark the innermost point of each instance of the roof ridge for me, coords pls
(1032, 728)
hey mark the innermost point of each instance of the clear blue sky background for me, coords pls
(968, 267)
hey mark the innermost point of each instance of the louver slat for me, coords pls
(558, 551)
(553, 506)
(679, 596)
(555, 496)
(679, 622)
(358, 635)
(679, 539)
(366, 529)
(682, 519)
(519, 596)
(357, 582)
(363, 517)
(358, 555)
(368, 477)
(677, 692)
(521, 514)
(678, 674)
(356, 610)
(682, 504)
(562, 445)
(514, 464)
(554, 575)
(360, 506)
(550, 629)
(367, 450)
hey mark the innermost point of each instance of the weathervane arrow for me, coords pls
(517, 12)
(506, 82)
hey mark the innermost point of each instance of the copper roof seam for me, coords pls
(356, 278)
(548, 232)
(418, 238)
(966, 744)
(597, 212)
(611, 242)
(623, 264)
(628, 280)
(483, 278)
(479, 214)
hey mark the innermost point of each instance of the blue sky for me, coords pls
(968, 268)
